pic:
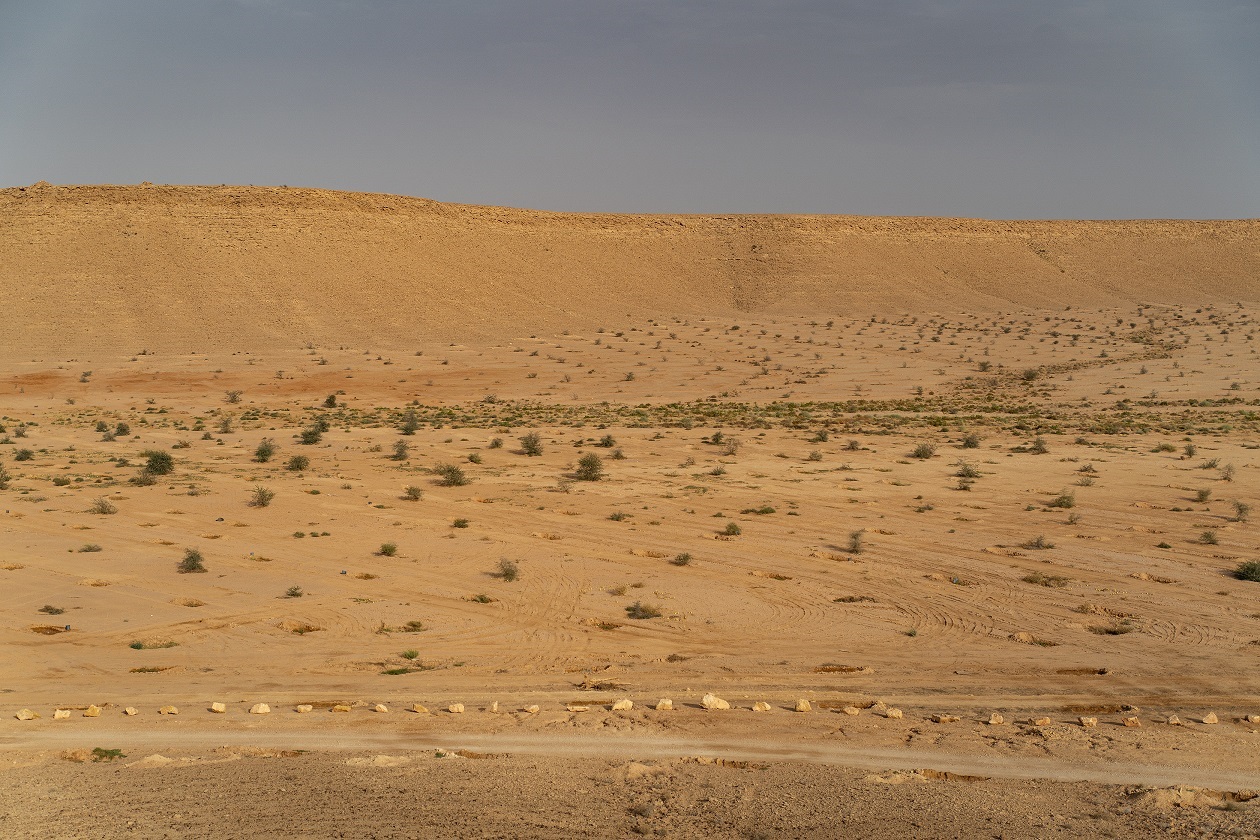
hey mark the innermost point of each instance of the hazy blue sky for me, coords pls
(1041, 108)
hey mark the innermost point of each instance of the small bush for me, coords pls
(450, 475)
(49, 609)
(531, 444)
(967, 470)
(1242, 511)
(607, 442)
(23, 455)
(294, 592)
(618, 516)
(265, 451)
(310, 436)
(158, 462)
(971, 441)
(413, 493)
(923, 451)
(732, 530)
(1039, 543)
(192, 563)
(261, 496)
(89, 548)
(507, 570)
(330, 401)
(590, 468)
(5, 478)
(1050, 581)
(1063, 500)
(103, 507)
(1209, 538)
(122, 429)
(683, 559)
(402, 451)
(387, 550)
(409, 654)
(460, 523)
(855, 542)
(1249, 570)
(1038, 446)
(641, 610)
(1203, 495)
(298, 463)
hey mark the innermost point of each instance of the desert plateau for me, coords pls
(353, 515)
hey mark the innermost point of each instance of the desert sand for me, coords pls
(979, 492)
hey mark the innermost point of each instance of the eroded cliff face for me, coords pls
(189, 268)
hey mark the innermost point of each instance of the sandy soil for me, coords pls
(1034, 512)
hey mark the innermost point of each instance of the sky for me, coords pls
(982, 108)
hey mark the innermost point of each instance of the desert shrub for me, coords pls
(495, 443)
(387, 550)
(1209, 538)
(49, 609)
(192, 563)
(409, 654)
(1242, 511)
(1038, 446)
(401, 452)
(23, 455)
(764, 510)
(294, 592)
(966, 469)
(1250, 570)
(261, 496)
(412, 493)
(507, 570)
(265, 451)
(855, 542)
(1202, 495)
(232, 397)
(923, 451)
(144, 478)
(618, 516)
(225, 426)
(450, 475)
(158, 462)
(89, 548)
(298, 463)
(683, 559)
(1038, 543)
(590, 468)
(102, 426)
(1050, 581)
(815, 455)
(1190, 450)
(732, 530)
(5, 478)
(102, 754)
(1030, 374)
(122, 430)
(1063, 500)
(642, 611)
(607, 442)
(103, 507)
(330, 401)
(853, 446)
(410, 423)
(531, 444)
(474, 458)
(460, 523)
(310, 436)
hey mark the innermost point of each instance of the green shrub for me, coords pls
(531, 444)
(410, 423)
(103, 507)
(732, 529)
(450, 475)
(1039, 543)
(265, 451)
(401, 452)
(1203, 495)
(387, 550)
(855, 542)
(607, 442)
(412, 493)
(1250, 570)
(1063, 500)
(294, 592)
(310, 435)
(460, 523)
(507, 570)
(192, 563)
(298, 463)
(641, 610)
(158, 462)
(683, 559)
(261, 496)
(923, 451)
(1038, 446)
(23, 455)
(971, 441)
(590, 468)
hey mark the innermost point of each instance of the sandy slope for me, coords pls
(200, 268)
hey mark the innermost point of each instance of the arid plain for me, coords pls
(979, 492)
